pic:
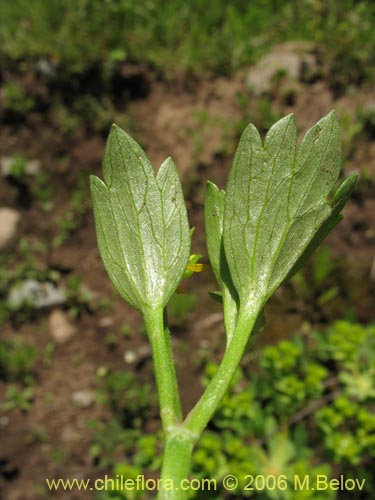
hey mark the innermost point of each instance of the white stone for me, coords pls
(4, 421)
(35, 294)
(9, 223)
(32, 167)
(105, 322)
(84, 398)
(60, 328)
(290, 60)
(130, 357)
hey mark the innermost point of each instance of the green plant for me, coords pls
(316, 283)
(180, 306)
(128, 400)
(366, 117)
(219, 37)
(266, 115)
(17, 168)
(73, 217)
(16, 397)
(327, 432)
(17, 360)
(16, 100)
(329, 429)
(79, 296)
(42, 190)
(351, 130)
(277, 208)
(4, 285)
(131, 404)
(37, 435)
(110, 440)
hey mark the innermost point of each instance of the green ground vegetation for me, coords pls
(303, 406)
(196, 37)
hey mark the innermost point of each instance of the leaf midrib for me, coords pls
(266, 201)
(137, 212)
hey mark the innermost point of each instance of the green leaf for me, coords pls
(141, 223)
(276, 205)
(340, 198)
(214, 222)
(218, 296)
(214, 211)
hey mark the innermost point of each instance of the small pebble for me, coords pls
(105, 322)
(84, 398)
(60, 328)
(129, 357)
(9, 225)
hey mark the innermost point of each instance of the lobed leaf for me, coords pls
(276, 205)
(141, 223)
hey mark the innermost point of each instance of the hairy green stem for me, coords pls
(178, 450)
(170, 406)
(179, 443)
(200, 415)
(180, 438)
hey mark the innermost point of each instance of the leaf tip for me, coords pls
(115, 128)
(343, 193)
(281, 126)
(167, 164)
(97, 186)
(330, 118)
(211, 186)
(289, 117)
(331, 114)
(94, 181)
(114, 131)
(117, 131)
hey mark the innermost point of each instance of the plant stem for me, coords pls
(179, 443)
(166, 381)
(178, 450)
(200, 415)
(180, 438)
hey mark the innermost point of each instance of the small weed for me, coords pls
(16, 100)
(64, 119)
(77, 358)
(111, 340)
(42, 190)
(49, 354)
(352, 128)
(17, 361)
(49, 399)
(314, 282)
(180, 306)
(109, 442)
(265, 114)
(16, 397)
(127, 330)
(366, 117)
(59, 456)
(37, 435)
(17, 169)
(74, 216)
(128, 399)
(79, 296)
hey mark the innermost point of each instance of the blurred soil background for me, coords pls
(184, 79)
